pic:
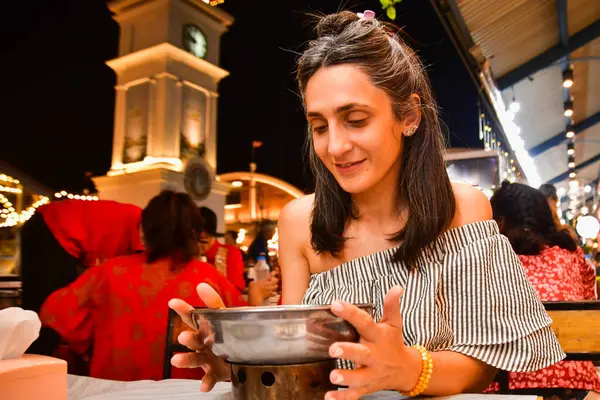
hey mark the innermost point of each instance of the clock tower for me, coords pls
(166, 98)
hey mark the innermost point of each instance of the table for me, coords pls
(84, 388)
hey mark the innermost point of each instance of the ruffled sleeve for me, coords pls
(491, 307)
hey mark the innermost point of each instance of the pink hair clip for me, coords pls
(368, 14)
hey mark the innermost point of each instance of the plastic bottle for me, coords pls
(261, 269)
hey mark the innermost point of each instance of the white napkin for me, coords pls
(18, 329)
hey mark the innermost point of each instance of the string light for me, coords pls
(71, 196)
(570, 131)
(6, 178)
(9, 217)
(570, 134)
(7, 189)
(490, 139)
(568, 106)
(12, 218)
(568, 77)
(511, 132)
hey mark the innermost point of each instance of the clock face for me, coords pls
(194, 40)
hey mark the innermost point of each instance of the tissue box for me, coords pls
(33, 377)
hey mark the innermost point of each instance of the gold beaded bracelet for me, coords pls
(426, 370)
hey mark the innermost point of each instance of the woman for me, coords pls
(384, 220)
(121, 304)
(558, 271)
(63, 239)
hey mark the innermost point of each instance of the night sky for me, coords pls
(57, 96)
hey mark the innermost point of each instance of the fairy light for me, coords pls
(9, 179)
(8, 189)
(71, 196)
(512, 131)
(9, 217)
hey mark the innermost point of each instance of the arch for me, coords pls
(262, 178)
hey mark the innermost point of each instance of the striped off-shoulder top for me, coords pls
(468, 294)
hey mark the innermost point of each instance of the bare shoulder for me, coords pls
(297, 211)
(294, 239)
(471, 205)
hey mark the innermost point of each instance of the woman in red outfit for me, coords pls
(68, 236)
(122, 304)
(558, 271)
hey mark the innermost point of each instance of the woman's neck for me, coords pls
(379, 205)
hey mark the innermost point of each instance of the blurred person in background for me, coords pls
(226, 258)
(231, 238)
(122, 303)
(260, 245)
(63, 239)
(551, 194)
(557, 268)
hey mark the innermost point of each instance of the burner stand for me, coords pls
(282, 382)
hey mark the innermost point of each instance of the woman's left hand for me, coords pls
(382, 360)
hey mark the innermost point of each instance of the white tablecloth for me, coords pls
(83, 388)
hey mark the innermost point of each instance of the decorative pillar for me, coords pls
(151, 133)
(119, 130)
(211, 130)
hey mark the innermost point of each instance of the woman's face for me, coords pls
(354, 130)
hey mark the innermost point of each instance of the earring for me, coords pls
(410, 131)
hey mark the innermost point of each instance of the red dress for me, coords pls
(235, 263)
(560, 275)
(94, 231)
(122, 306)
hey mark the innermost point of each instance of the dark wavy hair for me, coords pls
(526, 220)
(376, 49)
(549, 191)
(170, 224)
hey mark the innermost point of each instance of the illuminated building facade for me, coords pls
(254, 197)
(166, 97)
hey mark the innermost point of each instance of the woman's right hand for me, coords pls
(200, 341)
